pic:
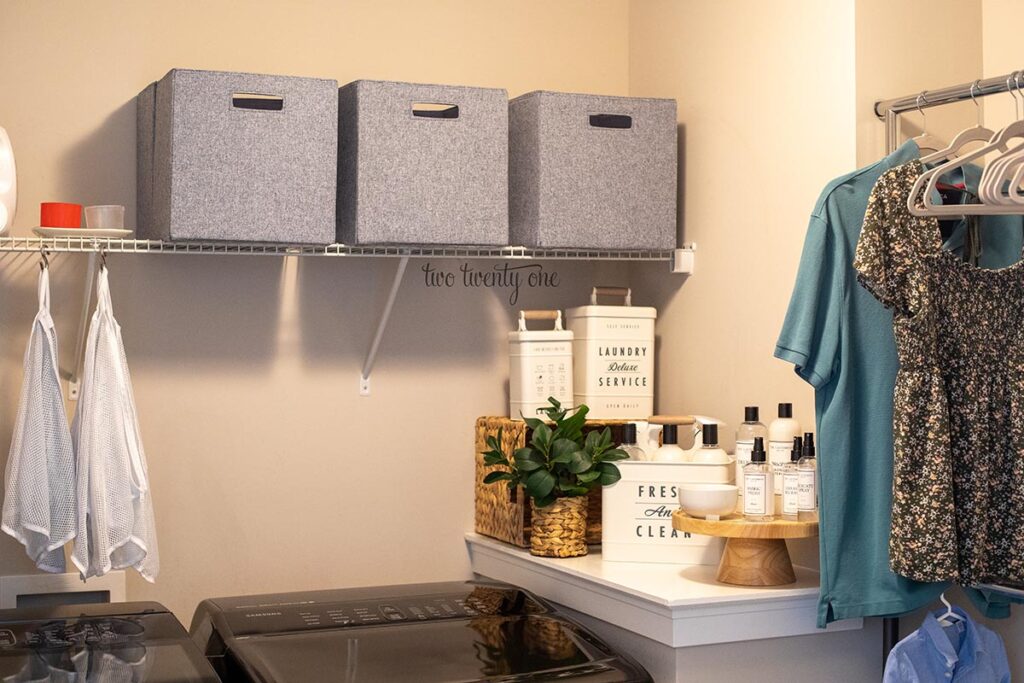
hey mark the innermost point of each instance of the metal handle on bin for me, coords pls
(625, 292)
(540, 315)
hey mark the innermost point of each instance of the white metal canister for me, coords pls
(614, 356)
(636, 513)
(539, 364)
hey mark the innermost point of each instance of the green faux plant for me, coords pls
(558, 462)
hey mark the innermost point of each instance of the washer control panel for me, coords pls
(312, 615)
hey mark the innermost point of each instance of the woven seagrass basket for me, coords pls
(507, 515)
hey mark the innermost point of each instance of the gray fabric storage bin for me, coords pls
(237, 157)
(415, 174)
(592, 171)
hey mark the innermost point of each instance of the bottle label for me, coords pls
(755, 493)
(743, 451)
(779, 455)
(790, 493)
(808, 496)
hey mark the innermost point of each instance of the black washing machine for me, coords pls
(128, 642)
(428, 633)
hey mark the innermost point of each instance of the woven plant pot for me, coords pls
(506, 515)
(560, 529)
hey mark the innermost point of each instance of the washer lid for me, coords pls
(140, 642)
(428, 633)
(478, 649)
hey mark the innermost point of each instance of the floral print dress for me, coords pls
(958, 403)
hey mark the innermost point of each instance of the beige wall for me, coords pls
(898, 54)
(1001, 53)
(767, 113)
(766, 106)
(270, 471)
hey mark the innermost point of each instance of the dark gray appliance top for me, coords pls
(462, 631)
(105, 643)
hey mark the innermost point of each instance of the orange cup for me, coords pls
(60, 215)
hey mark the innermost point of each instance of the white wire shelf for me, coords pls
(131, 246)
(681, 261)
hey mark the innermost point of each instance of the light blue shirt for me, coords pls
(965, 652)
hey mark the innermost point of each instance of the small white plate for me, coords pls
(81, 232)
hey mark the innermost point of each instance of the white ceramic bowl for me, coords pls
(708, 500)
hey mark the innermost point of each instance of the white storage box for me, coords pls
(539, 365)
(636, 517)
(613, 350)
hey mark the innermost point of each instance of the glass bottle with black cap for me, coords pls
(629, 444)
(748, 429)
(791, 482)
(758, 499)
(807, 471)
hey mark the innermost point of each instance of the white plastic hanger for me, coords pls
(976, 133)
(949, 617)
(990, 189)
(930, 180)
(925, 140)
(997, 173)
(1014, 195)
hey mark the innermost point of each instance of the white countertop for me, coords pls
(676, 605)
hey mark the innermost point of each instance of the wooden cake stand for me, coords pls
(755, 552)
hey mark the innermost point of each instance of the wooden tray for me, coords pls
(755, 552)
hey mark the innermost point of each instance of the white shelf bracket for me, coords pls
(371, 357)
(74, 377)
(683, 259)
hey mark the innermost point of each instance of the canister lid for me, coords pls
(540, 335)
(603, 311)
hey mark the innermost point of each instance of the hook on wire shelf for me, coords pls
(73, 376)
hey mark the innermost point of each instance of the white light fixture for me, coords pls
(8, 183)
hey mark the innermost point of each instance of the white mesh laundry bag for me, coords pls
(115, 508)
(39, 483)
